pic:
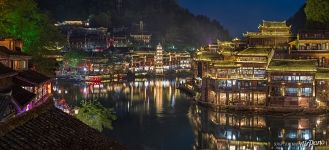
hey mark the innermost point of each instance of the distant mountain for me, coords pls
(165, 19)
(298, 21)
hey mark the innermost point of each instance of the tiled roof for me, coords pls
(6, 51)
(6, 106)
(255, 51)
(30, 78)
(209, 56)
(21, 96)
(47, 127)
(292, 65)
(5, 71)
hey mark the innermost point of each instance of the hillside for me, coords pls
(165, 19)
(298, 21)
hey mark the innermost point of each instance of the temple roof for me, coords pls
(5, 104)
(253, 51)
(8, 52)
(292, 65)
(21, 96)
(275, 24)
(47, 127)
(30, 78)
(209, 56)
(6, 72)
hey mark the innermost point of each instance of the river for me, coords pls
(153, 114)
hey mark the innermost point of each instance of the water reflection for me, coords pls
(127, 96)
(229, 131)
(153, 114)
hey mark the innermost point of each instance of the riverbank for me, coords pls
(265, 110)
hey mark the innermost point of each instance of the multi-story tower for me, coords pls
(159, 60)
(270, 34)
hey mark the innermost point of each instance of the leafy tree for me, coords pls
(46, 66)
(74, 57)
(21, 19)
(96, 116)
(317, 13)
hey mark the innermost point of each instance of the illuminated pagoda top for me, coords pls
(271, 28)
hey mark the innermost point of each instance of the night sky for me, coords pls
(239, 16)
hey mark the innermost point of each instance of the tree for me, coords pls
(96, 116)
(317, 13)
(74, 57)
(21, 19)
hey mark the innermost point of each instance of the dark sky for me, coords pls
(239, 16)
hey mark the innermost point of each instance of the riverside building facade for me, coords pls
(275, 71)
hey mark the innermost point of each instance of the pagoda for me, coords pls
(159, 60)
(270, 34)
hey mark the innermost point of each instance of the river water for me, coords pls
(154, 115)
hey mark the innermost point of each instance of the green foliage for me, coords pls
(317, 13)
(74, 57)
(96, 116)
(21, 19)
(44, 65)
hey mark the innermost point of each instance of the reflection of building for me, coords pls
(215, 130)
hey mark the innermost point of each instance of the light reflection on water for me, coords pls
(155, 115)
(215, 130)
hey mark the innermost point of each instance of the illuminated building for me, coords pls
(292, 83)
(311, 45)
(268, 74)
(238, 82)
(80, 36)
(25, 88)
(271, 33)
(158, 58)
(147, 60)
(139, 36)
(12, 56)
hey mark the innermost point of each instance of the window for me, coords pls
(306, 91)
(291, 91)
